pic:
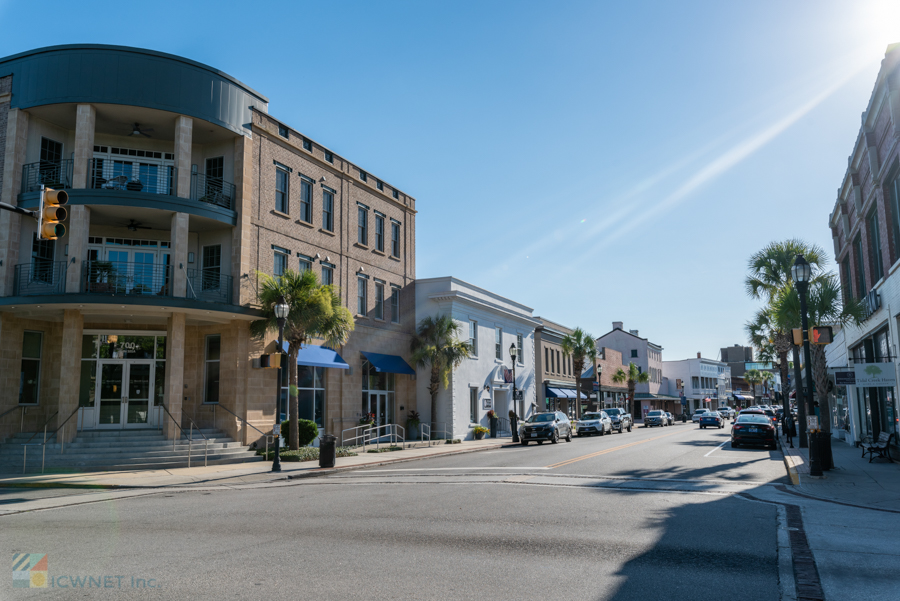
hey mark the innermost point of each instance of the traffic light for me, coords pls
(51, 213)
(821, 335)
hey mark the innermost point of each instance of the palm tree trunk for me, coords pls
(292, 393)
(820, 375)
(433, 388)
(634, 408)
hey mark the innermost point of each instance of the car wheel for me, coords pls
(602, 430)
(555, 438)
(569, 437)
(629, 427)
(524, 443)
(734, 445)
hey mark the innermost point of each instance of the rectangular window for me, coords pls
(846, 287)
(213, 351)
(552, 361)
(362, 228)
(281, 190)
(327, 274)
(307, 145)
(473, 337)
(379, 232)
(695, 382)
(875, 246)
(395, 304)
(546, 359)
(634, 353)
(361, 301)
(305, 263)
(363, 175)
(29, 380)
(282, 131)
(519, 349)
(306, 200)
(895, 213)
(396, 194)
(329, 157)
(280, 261)
(379, 300)
(860, 267)
(328, 210)
(395, 239)
(473, 405)
(498, 343)
(558, 363)
(379, 185)
(51, 152)
(212, 267)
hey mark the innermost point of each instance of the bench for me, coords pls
(882, 447)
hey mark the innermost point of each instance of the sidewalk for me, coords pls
(242, 473)
(853, 480)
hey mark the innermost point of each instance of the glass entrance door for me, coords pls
(110, 394)
(137, 411)
(124, 395)
(379, 406)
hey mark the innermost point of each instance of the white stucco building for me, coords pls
(702, 378)
(492, 324)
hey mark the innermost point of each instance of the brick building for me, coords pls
(865, 227)
(181, 188)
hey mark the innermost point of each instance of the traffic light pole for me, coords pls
(20, 211)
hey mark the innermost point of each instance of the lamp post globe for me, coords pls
(281, 310)
(513, 417)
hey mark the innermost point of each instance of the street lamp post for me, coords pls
(281, 313)
(801, 272)
(513, 418)
(599, 387)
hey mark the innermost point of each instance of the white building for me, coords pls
(492, 324)
(702, 379)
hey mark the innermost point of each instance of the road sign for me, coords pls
(812, 422)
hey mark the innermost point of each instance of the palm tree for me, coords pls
(825, 306)
(633, 377)
(769, 273)
(580, 346)
(754, 378)
(436, 345)
(767, 378)
(315, 311)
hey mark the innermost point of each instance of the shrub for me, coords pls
(480, 430)
(304, 453)
(308, 431)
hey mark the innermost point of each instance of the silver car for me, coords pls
(595, 422)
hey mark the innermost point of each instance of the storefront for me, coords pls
(875, 408)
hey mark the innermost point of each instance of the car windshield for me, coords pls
(752, 419)
(541, 417)
(612, 412)
(701, 411)
(591, 416)
(655, 413)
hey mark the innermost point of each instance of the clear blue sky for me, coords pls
(598, 161)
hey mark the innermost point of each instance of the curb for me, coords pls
(309, 474)
(788, 465)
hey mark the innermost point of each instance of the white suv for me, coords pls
(697, 414)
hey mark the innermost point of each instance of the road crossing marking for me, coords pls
(716, 449)
(604, 451)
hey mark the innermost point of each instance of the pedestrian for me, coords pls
(789, 428)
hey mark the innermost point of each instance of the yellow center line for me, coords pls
(604, 451)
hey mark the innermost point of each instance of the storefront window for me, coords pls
(311, 393)
(32, 343)
(377, 393)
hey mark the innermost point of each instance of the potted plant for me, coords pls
(494, 421)
(479, 431)
(368, 419)
(412, 425)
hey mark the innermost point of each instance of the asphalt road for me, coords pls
(651, 513)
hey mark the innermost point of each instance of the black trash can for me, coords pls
(327, 450)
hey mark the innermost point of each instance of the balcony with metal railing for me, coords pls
(212, 190)
(40, 278)
(209, 285)
(108, 174)
(137, 279)
(52, 174)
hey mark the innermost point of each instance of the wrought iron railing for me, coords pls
(52, 174)
(40, 277)
(209, 285)
(115, 277)
(212, 190)
(131, 176)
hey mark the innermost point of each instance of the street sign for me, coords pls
(519, 395)
(845, 378)
(812, 422)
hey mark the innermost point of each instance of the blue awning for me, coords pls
(319, 356)
(391, 364)
(560, 393)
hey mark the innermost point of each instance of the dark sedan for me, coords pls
(753, 429)
(547, 426)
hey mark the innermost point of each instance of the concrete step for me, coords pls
(107, 458)
(15, 454)
(145, 464)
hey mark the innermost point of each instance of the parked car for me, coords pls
(753, 429)
(656, 418)
(551, 426)
(621, 419)
(697, 413)
(594, 422)
(772, 416)
(712, 418)
(671, 419)
(726, 412)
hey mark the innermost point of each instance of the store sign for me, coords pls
(875, 375)
(845, 378)
(487, 403)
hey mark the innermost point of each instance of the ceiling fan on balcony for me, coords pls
(137, 131)
(136, 225)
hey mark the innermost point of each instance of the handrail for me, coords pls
(434, 429)
(390, 432)
(191, 442)
(422, 434)
(55, 413)
(363, 435)
(63, 443)
(177, 425)
(43, 444)
(5, 413)
(266, 436)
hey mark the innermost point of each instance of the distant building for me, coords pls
(736, 354)
(702, 379)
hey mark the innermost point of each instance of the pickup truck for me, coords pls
(621, 419)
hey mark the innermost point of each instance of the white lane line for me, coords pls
(716, 449)
(442, 469)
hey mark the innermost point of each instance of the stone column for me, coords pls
(79, 225)
(11, 223)
(242, 246)
(85, 118)
(183, 142)
(242, 371)
(179, 244)
(174, 373)
(70, 372)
